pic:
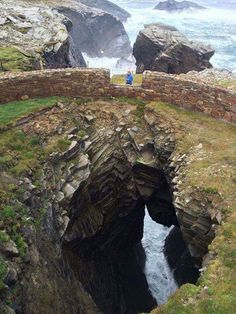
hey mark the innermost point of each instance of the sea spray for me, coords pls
(159, 276)
(215, 26)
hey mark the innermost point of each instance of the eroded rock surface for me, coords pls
(109, 7)
(93, 192)
(163, 48)
(39, 33)
(97, 33)
(173, 6)
(35, 35)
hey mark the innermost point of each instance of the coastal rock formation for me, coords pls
(173, 6)
(163, 48)
(36, 35)
(97, 33)
(33, 37)
(109, 7)
(93, 166)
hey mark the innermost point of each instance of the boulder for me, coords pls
(163, 48)
(172, 6)
(108, 7)
(9, 248)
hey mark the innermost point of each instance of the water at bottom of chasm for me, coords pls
(158, 273)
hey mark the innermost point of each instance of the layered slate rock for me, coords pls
(163, 48)
(33, 37)
(109, 7)
(173, 6)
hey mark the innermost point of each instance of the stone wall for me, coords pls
(218, 102)
(57, 82)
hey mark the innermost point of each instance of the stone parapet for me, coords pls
(217, 102)
(57, 82)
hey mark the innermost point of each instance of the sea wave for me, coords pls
(214, 26)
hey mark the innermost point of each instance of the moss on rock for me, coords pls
(12, 59)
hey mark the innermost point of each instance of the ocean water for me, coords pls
(159, 276)
(215, 26)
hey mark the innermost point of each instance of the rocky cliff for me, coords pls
(35, 35)
(163, 48)
(78, 178)
(97, 33)
(109, 7)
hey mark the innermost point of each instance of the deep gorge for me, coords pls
(113, 159)
(106, 227)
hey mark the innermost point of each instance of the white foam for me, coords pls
(159, 276)
(214, 26)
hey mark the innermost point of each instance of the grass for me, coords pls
(3, 272)
(12, 59)
(12, 111)
(119, 79)
(215, 160)
(211, 146)
(229, 84)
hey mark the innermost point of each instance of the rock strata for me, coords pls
(39, 36)
(163, 48)
(80, 246)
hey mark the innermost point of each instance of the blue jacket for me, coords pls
(129, 78)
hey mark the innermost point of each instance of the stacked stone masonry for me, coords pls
(218, 102)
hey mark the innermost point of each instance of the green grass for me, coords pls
(12, 111)
(119, 79)
(230, 84)
(4, 237)
(12, 59)
(3, 272)
(211, 171)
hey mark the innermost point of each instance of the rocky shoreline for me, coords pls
(37, 36)
(163, 48)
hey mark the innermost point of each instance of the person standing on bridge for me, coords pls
(129, 78)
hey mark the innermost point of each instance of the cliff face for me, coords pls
(39, 36)
(34, 35)
(97, 33)
(84, 173)
(109, 7)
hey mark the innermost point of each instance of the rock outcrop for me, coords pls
(163, 48)
(33, 37)
(173, 6)
(109, 7)
(100, 163)
(97, 33)
(36, 35)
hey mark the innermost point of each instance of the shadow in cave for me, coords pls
(107, 262)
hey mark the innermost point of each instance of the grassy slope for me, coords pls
(212, 171)
(12, 59)
(230, 84)
(119, 79)
(11, 111)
